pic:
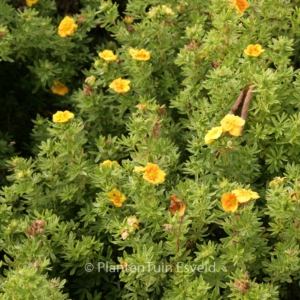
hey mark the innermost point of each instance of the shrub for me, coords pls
(175, 172)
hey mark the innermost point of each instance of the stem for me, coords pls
(178, 237)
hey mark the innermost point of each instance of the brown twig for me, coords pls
(240, 99)
(237, 102)
(246, 105)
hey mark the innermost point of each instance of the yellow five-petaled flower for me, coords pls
(254, 50)
(108, 55)
(31, 2)
(233, 124)
(243, 195)
(110, 163)
(229, 202)
(62, 116)
(116, 197)
(59, 88)
(240, 5)
(120, 85)
(142, 54)
(66, 27)
(152, 173)
(213, 134)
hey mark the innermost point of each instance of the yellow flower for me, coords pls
(167, 10)
(213, 134)
(59, 89)
(254, 50)
(62, 116)
(276, 180)
(233, 124)
(133, 222)
(120, 85)
(139, 54)
(116, 197)
(244, 195)
(108, 55)
(240, 5)
(153, 173)
(229, 202)
(66, 27)
(110, 163)
(31, 2)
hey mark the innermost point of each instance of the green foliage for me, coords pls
(65, 233)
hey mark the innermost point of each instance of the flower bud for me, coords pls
(128, 19)
(90, 80)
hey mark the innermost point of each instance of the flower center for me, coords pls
(231, 200)
(240, 4)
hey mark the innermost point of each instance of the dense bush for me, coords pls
(169, 168)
